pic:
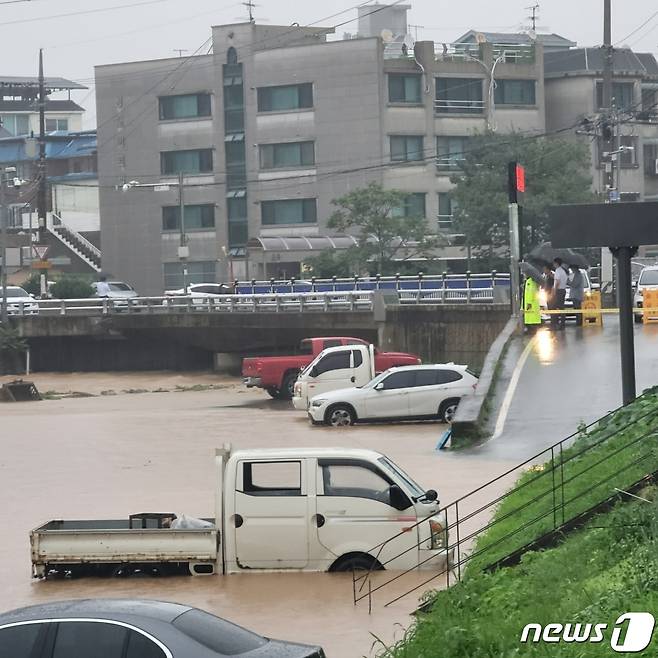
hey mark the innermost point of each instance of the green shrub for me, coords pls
(32, 284)
(72, 286)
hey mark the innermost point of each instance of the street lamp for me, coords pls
(183, 249)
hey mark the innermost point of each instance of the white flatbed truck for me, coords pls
(315, 509)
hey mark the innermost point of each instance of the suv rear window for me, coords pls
(218, 634)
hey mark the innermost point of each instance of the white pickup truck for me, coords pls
(331, 509)
(334, 368)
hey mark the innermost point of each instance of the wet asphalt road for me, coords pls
(569, 377)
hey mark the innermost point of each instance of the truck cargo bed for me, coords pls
(65, 545)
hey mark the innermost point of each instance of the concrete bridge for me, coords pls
(127, 341)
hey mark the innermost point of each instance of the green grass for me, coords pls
(616, 453)
(596, 574)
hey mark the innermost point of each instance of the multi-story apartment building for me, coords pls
(574, 98)
(277, 123)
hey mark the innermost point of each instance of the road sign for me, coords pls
(40, 250)
(41, 264)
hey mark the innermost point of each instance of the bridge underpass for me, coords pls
(563, 378)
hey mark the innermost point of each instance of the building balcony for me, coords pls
(458, 106)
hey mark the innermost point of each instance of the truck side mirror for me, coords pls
(431, 495)
(399, 500)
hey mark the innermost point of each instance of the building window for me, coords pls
(450, 152)
(238, 234)
(403, 88)
(288, 211)
(628, 157)
(406, 148)
(447, 208)
(233, 97)
(189, 162)
(649, 100)
(622, 95)
(651, 159)
(197, 272)
(186, 106)
(57, 124)
(236, 208)
(285, 97)
(514, 92)
(197, 217)
(16, 124)
(459, 96)
(412, 206)
(293, 154)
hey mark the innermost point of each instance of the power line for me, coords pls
(79, 13)
(637, 29)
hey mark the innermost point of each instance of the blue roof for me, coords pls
(59, 146)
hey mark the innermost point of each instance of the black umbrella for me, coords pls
(545, 253)
(531, 272)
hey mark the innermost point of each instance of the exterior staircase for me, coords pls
(76, 243)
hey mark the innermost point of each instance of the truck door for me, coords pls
(355, 510)
(331, 372)
(271, 515)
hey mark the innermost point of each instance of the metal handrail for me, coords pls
(557, 463)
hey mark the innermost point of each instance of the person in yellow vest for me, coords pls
(531, 307)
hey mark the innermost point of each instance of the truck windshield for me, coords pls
(389, 466)
(306, 347)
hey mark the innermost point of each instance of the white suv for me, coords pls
(648, 279)
(403, 393)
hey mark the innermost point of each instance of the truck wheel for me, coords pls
(288, 385)
(448, 409)
(273, 392)
(340, 415)
(356, 562)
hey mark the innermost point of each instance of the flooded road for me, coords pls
(113, 455)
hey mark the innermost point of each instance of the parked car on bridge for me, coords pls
(427, 391)
(120, 628)
(199, 292)
(118, 294)
(648, 280)
(20, 302)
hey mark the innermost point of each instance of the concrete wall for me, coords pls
(444, 333)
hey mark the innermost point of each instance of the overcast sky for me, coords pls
(105, 31)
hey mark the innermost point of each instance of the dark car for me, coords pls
(117, 628)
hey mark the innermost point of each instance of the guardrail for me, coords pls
(377, 282)
(297, 302)
(558, 494)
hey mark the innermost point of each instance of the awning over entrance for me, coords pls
(300, 243)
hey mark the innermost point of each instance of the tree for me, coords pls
(557, 171)
(384, 232)
(32, 284)
(12, 347)
(70, 286)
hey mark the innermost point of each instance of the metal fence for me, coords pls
(558, 493)
(292, 296)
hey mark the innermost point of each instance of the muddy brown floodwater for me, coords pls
(111, 456)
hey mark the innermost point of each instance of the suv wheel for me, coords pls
(340, 415)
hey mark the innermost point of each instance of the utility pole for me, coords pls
(4, 315)
(42, 207)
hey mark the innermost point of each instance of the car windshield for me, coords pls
(120, 287)
(388, 465)
(649, 278)
(16, 292)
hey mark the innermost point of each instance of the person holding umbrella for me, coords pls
(559, 293)
(531, 303)
(577, 292)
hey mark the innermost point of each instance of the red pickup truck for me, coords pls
(277, 374)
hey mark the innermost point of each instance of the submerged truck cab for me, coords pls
(320, 510)
(333, 369)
